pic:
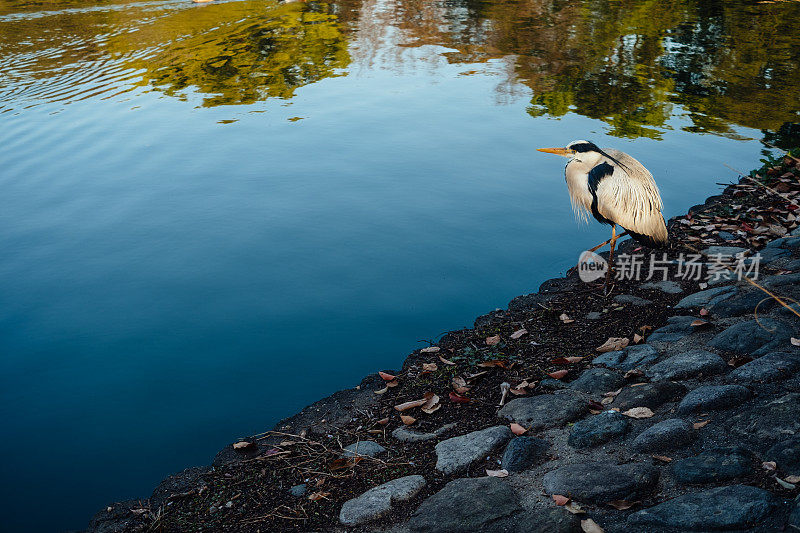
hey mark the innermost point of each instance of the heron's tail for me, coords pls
(655, 237)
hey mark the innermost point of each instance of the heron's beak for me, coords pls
(566, 152)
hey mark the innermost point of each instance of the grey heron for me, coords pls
(615, 189)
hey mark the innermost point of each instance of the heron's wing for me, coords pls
(627, 195)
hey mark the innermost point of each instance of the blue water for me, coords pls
(171, 280)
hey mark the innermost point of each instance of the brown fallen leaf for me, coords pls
(519, 333)
(564, 318)
(574, 508)
(446, 361)
(769, 465)
(431, 403)
(590, 526)
(704, 312)
(698, 323)
(457, 398)
(612, 393)
(499, 363)
(702, 423)
(407, 420)
(429, 367)
(392, 384)
(318, 495)
(633, 373)
(607, 400)
(383, 421)
(386, 376)
(639, 412)
(497, 473)
(621, 505)
(430, 349)
(795, 341)
(410, 405)
(491, 341)
(662, 458)
(637, 338)
(460, 385)
(565, 360)
(613, 344)
(343, 462)
(560, 500)
(793, 479)
(558, 374)
(243, 445)
(516, 429)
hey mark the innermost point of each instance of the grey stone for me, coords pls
(610, 359)
(793, 265)
(702, 298)
(600, 482)
(778, 281)
(546, 410)
(298, 491)
(633, 300)
(593, 315)
(523, 452)
(466, 505)
(377, 502)
(650, 395)
(689, 364)
(409, 435)
(794, 517)
(768, 255)
(552, 384)
(597, 429)
(719, 464)
(741, 302)
(711, 397)
(366, 448)
(787, 455)
(723, 250)
(597, 380)
(672, 332)
(789, 242)
(668, 286)
(455, 455)
(724, 508)
(767, 423)
(638, 356)
(726, 236)
(774, 366)
(543, 520)
(752, 337)
(666, 435)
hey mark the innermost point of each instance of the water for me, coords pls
(213, 215)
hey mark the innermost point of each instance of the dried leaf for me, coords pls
(383, 421)
(410, 405)
(558, 374)
(698, 323)
(343, 462)
(704, 312)
(491, 341)
(460, 385)
(429, 367)
(607, 400)
(386, 376)
(565, 360)
(495, 363)
(318, 495)
(431, 403)
(560, 500)
(702, 423)
(446, 361)
(574, 508)
(407, 420)
(662, 458)
(612, 393)
(590, 526)
(497, 473)
(634, 373)
(430, 349)
(516, 429)
(519, 333)
(457, 398)
(243, 445)
(564, 317)
(637, 338)
(639, 412)
(621, 505)
(383, 390)
(793, 479)
(392, 384)
(613, 344)
(795, 341)
(769, 465)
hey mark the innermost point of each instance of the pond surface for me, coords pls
(213, 215)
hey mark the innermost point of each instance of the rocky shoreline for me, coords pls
(691, 424)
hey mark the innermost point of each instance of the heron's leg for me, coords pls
(608, 241)
(613, 242)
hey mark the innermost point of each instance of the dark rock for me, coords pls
(793, 265)
(702, 298)
(668, 287)
(771, 367)
(742, 302)
(768, 255)
(600, 482)
(366, 448)
(544, 520)
(718, 464)
(466, 505)
(631, 357)
(726, 236)
(456, 454)
(794, 518)
(633, 300)
(377, 502)
(767, 423)
(597, 380)
(610, 359)
(597, 429)
(529, 301)
(712, 397)
(723, 250)
(298, 491)
(751, 337)
(552, 384)
(691, 364)
(182, 482)
(787, 455)
(119, 517)
(524, 452)
(666, 435)
(546, 410)
(651, 395)
(677, 328)
(722, 508)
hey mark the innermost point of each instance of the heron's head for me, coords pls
(575, 150)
